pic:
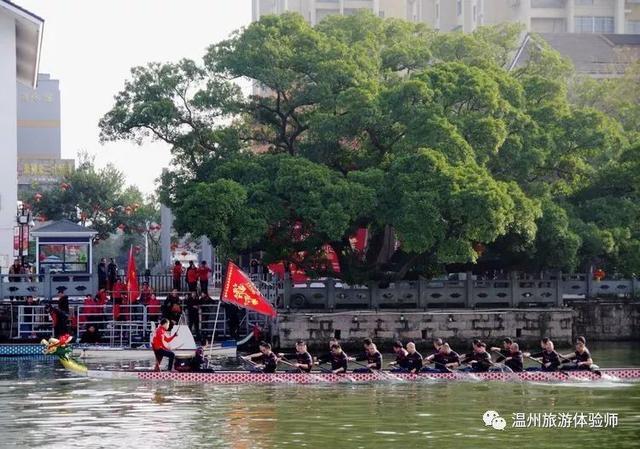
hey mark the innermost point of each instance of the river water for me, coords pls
(43, 406)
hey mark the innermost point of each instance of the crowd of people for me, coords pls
(113, 302)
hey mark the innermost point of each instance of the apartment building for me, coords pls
(545, 16)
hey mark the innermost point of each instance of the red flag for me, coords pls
(133, 289)
(239, 290)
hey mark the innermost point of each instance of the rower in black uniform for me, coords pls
(444, 360)
(550, 358)
(268, 360)
(414, 359)
(400, 364)
(514, 359)
(339, 359)
(504, 351)
(371, 355)
(580, 359)
(479, 360)
(304, 361)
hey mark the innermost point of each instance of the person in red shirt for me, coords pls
(203, 274)
(177, 275)
(192, 277)
(88, 310)
(153, 308)
(118, 297)
(159, 345)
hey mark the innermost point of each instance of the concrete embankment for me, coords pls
(458, 326)
(599, 320)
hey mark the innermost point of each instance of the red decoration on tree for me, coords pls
(37, 197)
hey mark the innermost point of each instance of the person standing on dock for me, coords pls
(112, 273)
(203, 275)
(103, 275)
(159, 345)
(177, 275)
(192, 277)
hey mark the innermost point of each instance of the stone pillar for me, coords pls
(286, 286)
(376, 8)
(8, 139)
(468, 290)
(255, 10)
(559, 289)
(513, 279)
(166, 223)
(570, 12)
(618, 18)
(330, 290)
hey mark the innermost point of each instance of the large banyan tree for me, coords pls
(422, 139)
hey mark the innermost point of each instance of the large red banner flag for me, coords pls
(239, 290)
(133, 289)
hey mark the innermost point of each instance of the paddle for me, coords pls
(564, 373)
(440, 365)
(324, 370)
(593, 367)
(378, 372)
(509, 370)
(248, 362)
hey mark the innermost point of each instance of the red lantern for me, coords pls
(479, 248)
(65, 186)
(37, 197)
(121, 227)
(111, 210)
(128, 210)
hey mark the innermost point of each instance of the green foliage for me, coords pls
(423, 138)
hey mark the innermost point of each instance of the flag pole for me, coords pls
(215, 323)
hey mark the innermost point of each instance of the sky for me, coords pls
(91, 45)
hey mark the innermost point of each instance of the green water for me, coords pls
(41, 405)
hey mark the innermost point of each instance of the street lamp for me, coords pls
(25, 221)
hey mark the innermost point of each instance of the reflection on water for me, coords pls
(41, 405)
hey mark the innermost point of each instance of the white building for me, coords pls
(544, 16)
(20, 42)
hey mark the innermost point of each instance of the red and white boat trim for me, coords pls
(245, 377)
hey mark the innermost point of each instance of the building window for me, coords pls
(381, 14)
(64, 257)
(437, 11)
(633, 26)
(590, 24)
(459, 7)
(584, 2)
(547, 3)
(475, 12)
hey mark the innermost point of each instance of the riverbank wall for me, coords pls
(599, 320)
